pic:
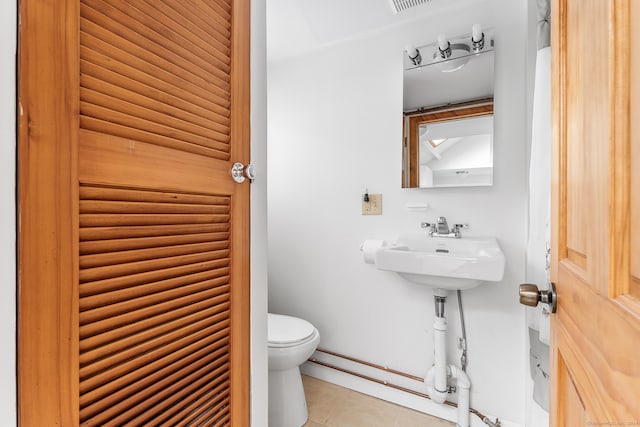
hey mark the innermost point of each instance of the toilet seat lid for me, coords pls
(287, 330)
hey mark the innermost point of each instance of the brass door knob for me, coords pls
(530, 295)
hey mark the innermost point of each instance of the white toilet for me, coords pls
(291, 342)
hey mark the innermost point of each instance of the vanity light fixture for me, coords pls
(450, 54)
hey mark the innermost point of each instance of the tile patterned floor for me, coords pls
(334, 406)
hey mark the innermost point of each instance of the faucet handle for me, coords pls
(456, 229)
(427, 225)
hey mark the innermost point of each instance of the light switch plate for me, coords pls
(373, 206)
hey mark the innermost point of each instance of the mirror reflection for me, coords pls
(456, 152)
(448, 114)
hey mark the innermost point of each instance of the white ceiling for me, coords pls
(298, 26)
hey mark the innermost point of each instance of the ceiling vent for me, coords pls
(399, 5)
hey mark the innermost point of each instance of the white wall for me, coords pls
(7, 215)
(259, 364)
(335, 128)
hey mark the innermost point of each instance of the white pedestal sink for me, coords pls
(443, 263)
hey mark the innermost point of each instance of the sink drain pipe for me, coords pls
(438, 376)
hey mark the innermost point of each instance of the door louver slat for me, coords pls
(139, 321)
(122, 370)
(124, 219)
(162, 30)
(101, 206)
(126, 397)
(105, 81)
(190, 381)
(201, 413)
(125, 113)
(89, 234)
(100, 353)
(96, 192)
(158, 45)
(218, 5)
(112, 35)
(217, 17)
(96, 247)
(211, 387)
(151, 301)
(197, 407)
(199, 31)
(97, 260)
(102, 397)
(121, 68)
(106, 285)
(123, 127)
(116, 296)
(128, 116)
(149, 306)
(99, 273)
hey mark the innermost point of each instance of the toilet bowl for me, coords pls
(291, 342)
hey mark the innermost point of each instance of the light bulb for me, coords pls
(476, 33)
(414, 54)
(443, 44)
(411, 51)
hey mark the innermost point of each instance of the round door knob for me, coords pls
(530, 295)
(237, 172)
(250, 172)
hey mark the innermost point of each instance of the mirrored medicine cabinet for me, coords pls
(448, 115)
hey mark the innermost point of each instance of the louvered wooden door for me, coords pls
(133, 247)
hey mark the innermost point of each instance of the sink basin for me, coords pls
(444, 263)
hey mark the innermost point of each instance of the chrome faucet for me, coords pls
(441, 226)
